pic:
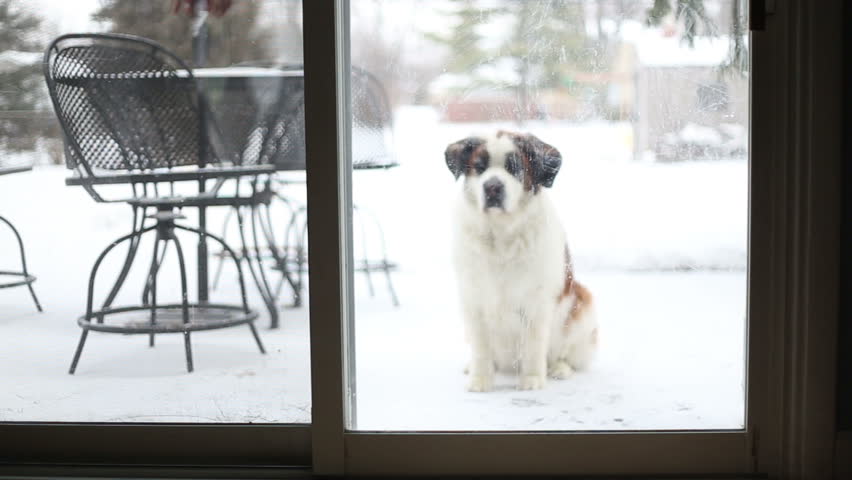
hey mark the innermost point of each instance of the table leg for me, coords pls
(203, 287)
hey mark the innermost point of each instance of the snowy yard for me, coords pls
(662, 246)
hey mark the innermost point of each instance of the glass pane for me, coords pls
(129, 107)
(551, 214)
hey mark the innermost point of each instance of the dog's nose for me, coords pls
(495, 193)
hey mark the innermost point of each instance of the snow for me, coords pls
(662, 246)
(664, 47)
(671, 358)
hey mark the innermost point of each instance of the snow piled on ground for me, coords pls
(662, 246)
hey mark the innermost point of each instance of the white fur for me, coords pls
(510, 265)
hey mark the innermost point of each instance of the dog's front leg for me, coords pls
(482, 358)
(534, 346)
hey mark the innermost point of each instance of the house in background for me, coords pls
(679, 100)
(685, 106)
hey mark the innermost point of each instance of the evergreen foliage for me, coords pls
(234, 37)
(23, 95)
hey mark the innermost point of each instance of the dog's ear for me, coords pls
(458, 154)
(545, 160)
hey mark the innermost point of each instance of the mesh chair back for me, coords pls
(261, 114)
(263, 125)
(372, 122)
(125, 103)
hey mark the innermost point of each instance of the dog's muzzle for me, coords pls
(495, 193)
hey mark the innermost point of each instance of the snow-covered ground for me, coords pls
(661, 245)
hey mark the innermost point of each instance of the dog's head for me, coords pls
(503, 170)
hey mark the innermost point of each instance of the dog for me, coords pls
(524, 311)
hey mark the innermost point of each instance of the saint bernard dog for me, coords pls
(523, 309)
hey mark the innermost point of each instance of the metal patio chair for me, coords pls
(133, 116)
(274, 135)
(261, 125)
(372, 131)
(9, 279)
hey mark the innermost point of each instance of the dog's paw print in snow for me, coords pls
(528, 402)
(610, 399)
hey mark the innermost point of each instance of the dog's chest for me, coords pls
(511, 267)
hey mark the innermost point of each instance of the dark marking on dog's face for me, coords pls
(467, 155)
(541, 159)
(500, 171)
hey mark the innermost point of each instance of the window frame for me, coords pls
(782, 146)
(793, 244)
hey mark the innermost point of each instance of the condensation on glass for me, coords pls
(246, 99)
(551, 214)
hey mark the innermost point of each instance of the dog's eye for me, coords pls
(513, 165)
(480, 163)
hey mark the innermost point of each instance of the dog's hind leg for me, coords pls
(581, 332)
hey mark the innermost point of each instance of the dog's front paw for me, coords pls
(532, 382)
(560, 370)
(480, 383)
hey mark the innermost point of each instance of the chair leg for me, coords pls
(128, 261)
(35, 299)
(268, 230)
(256, 337)
(273, 312)
(302, 256)
(279, 286)
(386, 268)
(184, 302)
(187, 345)
(91, 290)
(365, 252)
(385, 264)
(264, 282)
(152, 272)
(78, 351)
(23, 261)
(151, 287)
(93, 274)
(293, 278)
(218, 274)
(240, 277)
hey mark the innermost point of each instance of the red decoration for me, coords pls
(217, 8)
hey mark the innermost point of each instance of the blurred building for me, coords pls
(685, 105)
(680, 100)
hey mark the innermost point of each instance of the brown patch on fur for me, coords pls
(568, 287)
(572, 288)
(582, 303)
(471, 160)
